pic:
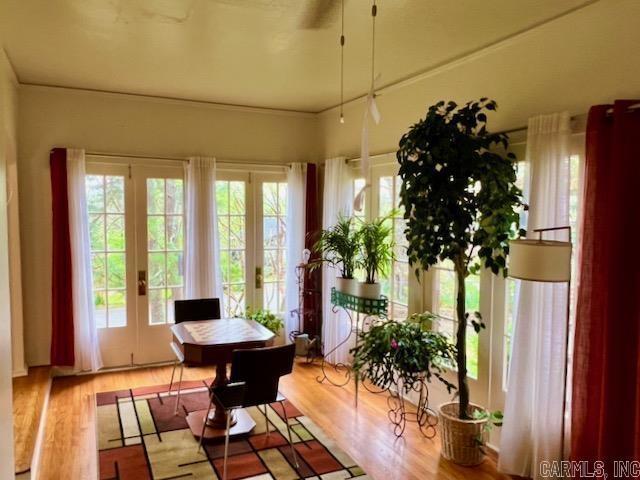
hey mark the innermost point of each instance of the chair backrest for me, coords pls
(199, 309)
(260, 369)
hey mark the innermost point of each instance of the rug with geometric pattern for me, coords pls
(140, 438)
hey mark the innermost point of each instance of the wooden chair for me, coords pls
(186, 311)
(255, 376)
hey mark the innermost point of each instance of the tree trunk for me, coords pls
(461, 340)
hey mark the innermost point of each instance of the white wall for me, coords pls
(8, 117)
(586, 58)
(129, 124)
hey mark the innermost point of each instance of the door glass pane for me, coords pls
(106, 208)
(274, 219)
(230, 198)
(445, 292)
(165, 244)
(396, 285)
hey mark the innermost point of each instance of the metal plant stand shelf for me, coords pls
(400, 413)
(362, 314)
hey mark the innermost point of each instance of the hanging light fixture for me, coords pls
(370, 111)
(342, 67)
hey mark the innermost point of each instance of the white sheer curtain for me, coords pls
(533, 412)
(202, 272)
(294, 243)
(337, 199)
(86, 346)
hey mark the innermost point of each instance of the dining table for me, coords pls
(211, 343)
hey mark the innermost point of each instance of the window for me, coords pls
(512, 285)
(274, 217)
(444, 305)
(358, 184)
(231, 208)
(396, 285)
(165, 244)
(106, 206)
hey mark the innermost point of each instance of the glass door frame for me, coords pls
(119, 344)
(153, 340)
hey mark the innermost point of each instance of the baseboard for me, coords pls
(37, 449)
(22, 372)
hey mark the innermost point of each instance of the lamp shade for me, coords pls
(540, 260)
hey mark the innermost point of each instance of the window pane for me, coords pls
(115, 233)
(96, 231)
(446, 285)
(155, 195)
(231, 210)
(174, 269)
(236, 232)
(107, 234)
(386, 196)
(236, 199)
(155, 232)
(270, 231)
(222, 198)
(175, 196)
(116, 268)
(157, 306)
(95, 193)
(175, 232)
(236, 300)
(157, 273)
(100, 308)
(223, 231)
(270, 198)
(98, 270)
(116, 300)
(115, 194)
(472, 293)
(274, 240)
(237, 266)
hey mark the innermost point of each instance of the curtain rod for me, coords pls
(183, 159)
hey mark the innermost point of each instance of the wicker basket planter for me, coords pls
(460, 438)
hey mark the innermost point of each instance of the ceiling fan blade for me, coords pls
(319, 14)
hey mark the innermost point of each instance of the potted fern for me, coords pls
(338, 246)
(461, 204)
(376, 254)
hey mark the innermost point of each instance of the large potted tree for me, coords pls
(461, 204)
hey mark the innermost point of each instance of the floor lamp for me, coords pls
(539, 260)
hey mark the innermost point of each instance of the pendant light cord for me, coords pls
(342, 40)
(374, 13)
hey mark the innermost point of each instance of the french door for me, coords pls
(137, 218)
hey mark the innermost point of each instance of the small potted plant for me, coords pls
(376, 254)
(266, 319)
(400, 354)
(461, 204)
(338, 246)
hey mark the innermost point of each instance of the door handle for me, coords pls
(142, 282)
(258, 277)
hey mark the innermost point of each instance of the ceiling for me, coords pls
(263, 53)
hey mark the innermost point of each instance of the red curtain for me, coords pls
(312, 281)
(606, 367)
(62, 349)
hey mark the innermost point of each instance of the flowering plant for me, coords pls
(403, 353)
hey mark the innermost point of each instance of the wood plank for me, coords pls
(29, 393)
(364, 433)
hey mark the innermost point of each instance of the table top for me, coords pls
(225, 331)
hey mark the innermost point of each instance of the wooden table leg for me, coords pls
(218, 416)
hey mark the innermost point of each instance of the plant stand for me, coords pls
(400, 413)
(362, 313)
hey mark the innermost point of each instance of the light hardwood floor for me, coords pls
(29, 393)
(69, 449)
